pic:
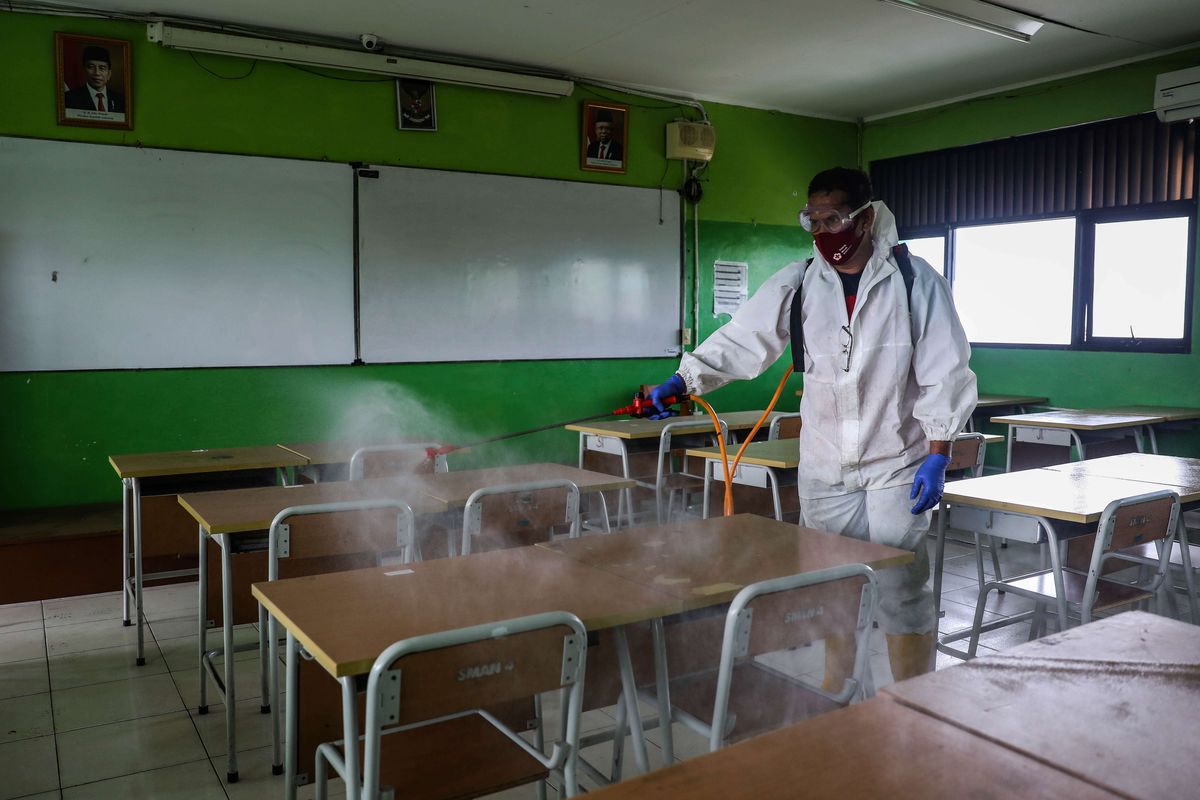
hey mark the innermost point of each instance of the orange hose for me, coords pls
(737, 459)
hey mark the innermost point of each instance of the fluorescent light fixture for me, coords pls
(200, 41)
(1031, 27)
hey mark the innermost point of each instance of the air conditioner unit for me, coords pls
(693, 141)
(1177, 95)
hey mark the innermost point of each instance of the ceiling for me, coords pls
(844, 58)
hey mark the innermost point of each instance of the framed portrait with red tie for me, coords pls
(605, 134)
(93, 81)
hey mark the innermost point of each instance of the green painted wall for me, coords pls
(1073, 379)
(60, 427)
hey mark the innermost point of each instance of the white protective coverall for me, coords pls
(873, 398)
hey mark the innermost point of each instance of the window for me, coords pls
(1082, 237)
(1139, 280)
(1013, 283)
(930, 248)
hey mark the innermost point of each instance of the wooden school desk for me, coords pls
(764, 465)
(1061, 429)
(875, 749)
(992, 403)
(1174, 418)
(705, 563)
(1112, 703)
(608, 439)
(344, 620)
(236, 521)
(150, 481)
(1037, 506)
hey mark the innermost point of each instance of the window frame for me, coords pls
(1085, 299)
(1082, 298)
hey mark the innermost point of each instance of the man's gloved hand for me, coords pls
(930, 483)
(671, 387)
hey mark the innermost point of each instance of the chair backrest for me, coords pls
(784, 426)
(664, 443)
(1135, 521)
(340, 540)
(967, 454)
(792, 611)
(518, 514)
(445, 674)
(415, 452)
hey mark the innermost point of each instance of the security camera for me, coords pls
(369, 41)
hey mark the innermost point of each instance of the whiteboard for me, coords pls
(123, 257)
(457, 266)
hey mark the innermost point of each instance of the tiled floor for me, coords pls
(79, 720)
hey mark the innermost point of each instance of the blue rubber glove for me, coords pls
(671, 387)
(929, 483)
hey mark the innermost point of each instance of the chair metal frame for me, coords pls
(976, 470)
(773, 431)
(1101, 553)
(278, 546)
(737, 629)
(358, 457)
(383, 705)
(473, 510)
(660, 476)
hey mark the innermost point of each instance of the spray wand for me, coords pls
(642, 406)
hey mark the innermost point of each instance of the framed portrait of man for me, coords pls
(416, 105)
(93, 81)
(605, 134)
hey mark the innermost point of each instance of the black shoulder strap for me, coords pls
(900, 253)
(796, 325)
(903, 261)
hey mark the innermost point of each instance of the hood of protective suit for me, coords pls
(884, 232)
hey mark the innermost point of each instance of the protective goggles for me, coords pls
(826, 219)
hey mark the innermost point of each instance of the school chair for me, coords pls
(518, 514)
(428, 733)
(966, 461)
(1182, 556)
(323, 551)
(737, 695)
(360, 456)
(784, 426)
(666, 479)
(1126, 523)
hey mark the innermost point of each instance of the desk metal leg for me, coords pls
(273, 675)
(350, 738)
(629, 693)
(230, 690)
(1056, 565)
(626, 493)
(264, 664)
(291, 717)
(939, 561)
(202, 634)
(708, 475)
(663, 688)
(774, 480)
(1012, 435)
(1189, 577)
(126, 491)
(137, 571)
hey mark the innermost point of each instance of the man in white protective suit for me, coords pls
(887, 387)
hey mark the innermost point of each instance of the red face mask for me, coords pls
(837, 247)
